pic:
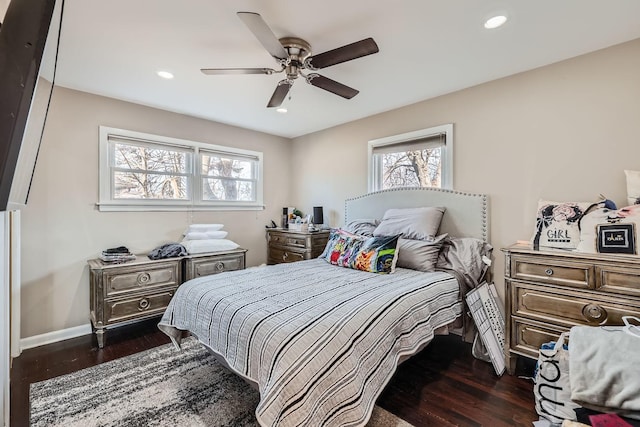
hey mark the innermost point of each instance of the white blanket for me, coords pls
(321, 341)
(604, 368)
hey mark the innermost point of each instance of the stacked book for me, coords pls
(115, 255)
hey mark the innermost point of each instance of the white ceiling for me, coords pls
(427, 48)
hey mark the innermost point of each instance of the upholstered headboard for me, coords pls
(466, 214)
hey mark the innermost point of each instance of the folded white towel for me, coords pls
(205, 235)
(203, 228)
(210, 245)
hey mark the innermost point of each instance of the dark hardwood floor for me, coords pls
(442, 386)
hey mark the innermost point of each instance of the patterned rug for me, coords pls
(157, 387)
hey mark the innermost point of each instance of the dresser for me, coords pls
(549, 291)
(289, 246)
(141, 289)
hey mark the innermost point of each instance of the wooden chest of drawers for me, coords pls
(549, 291)
(141, 289)
(290, 246)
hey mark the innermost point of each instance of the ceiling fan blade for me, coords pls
(331, 86)
(221, 71)
(263, 33)
(280, 93)
(342, 54)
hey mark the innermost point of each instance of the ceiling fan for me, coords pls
(294, 55)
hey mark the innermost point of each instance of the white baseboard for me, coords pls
(55, 336)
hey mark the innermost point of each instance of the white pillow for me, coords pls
(212, 245)
(412, 223)
(205, 235)
(203, 228)
(633, 187)
(589, 225)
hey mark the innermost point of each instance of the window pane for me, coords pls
(150, 186)
(228, 190)
(227, 167)
(149, 158)
(418, 168)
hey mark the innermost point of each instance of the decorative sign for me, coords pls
(616, 238)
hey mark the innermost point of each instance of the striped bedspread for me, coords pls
(321, 341)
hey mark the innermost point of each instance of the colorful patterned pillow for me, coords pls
(373, 254)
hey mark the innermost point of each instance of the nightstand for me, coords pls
(130, 291)
(289, 246)
(549, 291)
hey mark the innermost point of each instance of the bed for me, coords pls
(321, 341)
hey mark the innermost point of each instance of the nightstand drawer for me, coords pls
(277, 256)
(567, 308)
(573, 274)
(205, 266)
(618, 280)
(528, 336)
(136, 307)
(287, 240)
(125, 279)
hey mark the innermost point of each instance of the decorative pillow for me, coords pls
(412, 223)
(603, 216)
(374, 254)
(557, 224)
(419, 255)
(633, 187)
(362, 227)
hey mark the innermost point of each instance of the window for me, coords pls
(148, 172)
(422, 158)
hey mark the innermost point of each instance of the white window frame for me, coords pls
(446, 153)
(108, 203)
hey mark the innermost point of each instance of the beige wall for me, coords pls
(562, 132)
(62, 229)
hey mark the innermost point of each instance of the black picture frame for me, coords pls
(616, 238)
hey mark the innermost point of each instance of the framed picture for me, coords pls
(616, 238)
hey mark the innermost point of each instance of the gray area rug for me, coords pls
(157, 387)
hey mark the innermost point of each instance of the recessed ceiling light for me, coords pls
(495, 22)
(281, 110)
(165, 74)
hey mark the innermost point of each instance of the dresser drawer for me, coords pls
(288, 240)
(277, 255)
(118, 281)
(616, 279)
(568, 308)
(121, 310)
(575, 275)
(198, 267)
(528, 336)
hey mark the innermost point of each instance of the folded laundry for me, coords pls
(605, 373)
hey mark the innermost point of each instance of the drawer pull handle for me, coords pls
(143, 304)
(285, 256)
(549, 271)
(143, 278)
(220, 266)
(594, 313)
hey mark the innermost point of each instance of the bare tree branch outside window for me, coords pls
(418, 168)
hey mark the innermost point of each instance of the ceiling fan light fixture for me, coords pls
(495, 22)
(165, 74)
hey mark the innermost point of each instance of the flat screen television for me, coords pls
(29, 33)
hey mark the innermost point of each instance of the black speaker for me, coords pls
(318, 218)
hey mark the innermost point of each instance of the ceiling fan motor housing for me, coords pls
(298, 50)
